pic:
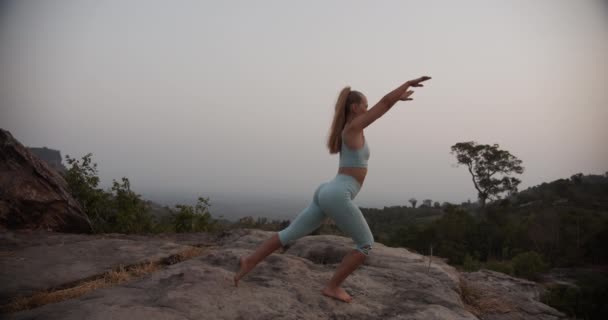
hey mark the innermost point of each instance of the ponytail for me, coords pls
(345, 99)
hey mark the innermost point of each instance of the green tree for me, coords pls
(83, 182)
(247, 221)
(454, 230)
(577, 178)
(261, 221)
(470, 263)
(413, 202)
(194, 218)
(427, 203)
(484, 162)
(131, 212)
(528, 265)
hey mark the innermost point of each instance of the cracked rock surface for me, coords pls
(393, 283)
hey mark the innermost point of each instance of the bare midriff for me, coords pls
(357, 173)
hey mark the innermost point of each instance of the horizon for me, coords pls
(234, 206)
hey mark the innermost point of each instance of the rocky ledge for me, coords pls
(394, 283)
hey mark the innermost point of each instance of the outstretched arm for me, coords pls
(388, 101)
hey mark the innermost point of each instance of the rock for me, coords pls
(32, 195)
(42, 261)
(393, 283)
(497, 296)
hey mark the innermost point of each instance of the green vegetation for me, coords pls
(559, 224)
(586, 299)
(483, 162)
(261, 223)
(122, 210)
(528, 265)
(194, 219)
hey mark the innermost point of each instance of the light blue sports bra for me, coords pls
(354, 158)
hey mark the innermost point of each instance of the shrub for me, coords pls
(194, 219)
(470, 263)
(528, 265)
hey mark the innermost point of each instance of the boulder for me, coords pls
(497, 296)
(34, 196)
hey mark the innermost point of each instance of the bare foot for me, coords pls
(337, 293)
(244, 267)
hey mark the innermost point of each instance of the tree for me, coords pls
(413, 202)
(577, 178)
(83, 181)
(427, 203)
(529, 265)
(261, 221)
(132, 213)
(484, 162)
(194, 219)
(247, 221)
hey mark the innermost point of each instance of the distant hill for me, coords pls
(581, 191)
(581, 198)
(50, 156)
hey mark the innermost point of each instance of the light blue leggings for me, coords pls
(334, 199)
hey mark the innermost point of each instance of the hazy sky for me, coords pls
(226, 98)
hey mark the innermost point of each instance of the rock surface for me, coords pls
(32, 195)
(43, 263)
(497, 296)
(392, 284)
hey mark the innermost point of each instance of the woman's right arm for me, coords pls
(386, 103)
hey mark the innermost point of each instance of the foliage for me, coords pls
(528, 265)
(413, 202)
(262, 223)
(470, 264)
(130, 213)
(483, 162)
(83, 182)
(585, 300)
(122, 210)
(194, 218)
(564, 221)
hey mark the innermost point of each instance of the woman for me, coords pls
(335, 198)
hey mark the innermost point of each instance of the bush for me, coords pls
(83, 184)
(131, 215)
(194, 219)
(471, 264)
(563, 298)
(122, 210)
(586, 300)
(528, 265)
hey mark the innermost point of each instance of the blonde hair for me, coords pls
(346, 98)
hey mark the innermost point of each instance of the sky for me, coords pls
(234, 99)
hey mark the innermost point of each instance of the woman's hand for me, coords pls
(413, 83)
(388, 101)
(406, 96)
(418, 82)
